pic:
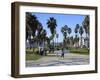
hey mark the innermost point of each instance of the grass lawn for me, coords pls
(30, 55)
(79, 50)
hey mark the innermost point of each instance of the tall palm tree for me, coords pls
(76, 28)
(39, 31)
(76, 40)
(86, 25)
(51, 23)
(76, 35)
(43, 36)
(28, 29)
(81, 31)
(64, 31)
(57, 35)
(69, 32)
(32, 22)
(48, 40)
(72, 41)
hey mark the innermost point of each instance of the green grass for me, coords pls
(32, 55)
(79, 50)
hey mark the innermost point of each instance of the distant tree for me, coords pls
(76, 28)
(81, 31)
(48, 40)
(72, 41)
(57, 36)
(76, 35)
(43, 36)
(69, 32)
(76, 40)
(64, 31)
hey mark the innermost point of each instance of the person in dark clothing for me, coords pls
(62, 55)
(41, 51)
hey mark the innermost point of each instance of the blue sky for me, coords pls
(62, 19)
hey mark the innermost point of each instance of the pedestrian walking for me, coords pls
(62, 54)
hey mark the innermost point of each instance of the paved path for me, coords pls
(56, 60)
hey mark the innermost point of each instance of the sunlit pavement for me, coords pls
(56, 60)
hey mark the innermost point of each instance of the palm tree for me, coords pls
(53, 38)
(28, 16)
(76, 40)
(69, 32)
(28, 31)
(86, 25)
(51, 23)
(31, 22)
(43, 36)
(57, 35)
(72, 41)
(48, 40)
(76, 36)
(81, 31)
(64, 31)
(39, 31)
(76, 28)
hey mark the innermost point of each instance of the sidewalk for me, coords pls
(54, 60)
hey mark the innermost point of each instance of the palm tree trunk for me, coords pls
(87, 44)
(81, 41)
(53, 46)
